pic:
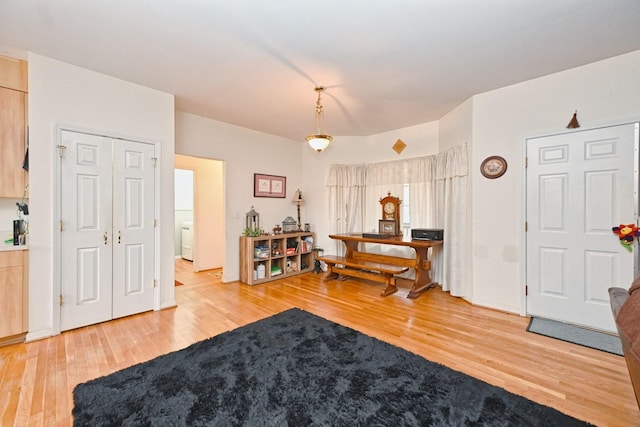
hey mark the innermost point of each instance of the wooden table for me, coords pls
(421, 263)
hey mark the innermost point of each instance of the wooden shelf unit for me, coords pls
(271, 252)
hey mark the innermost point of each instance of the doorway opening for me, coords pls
(199, 214)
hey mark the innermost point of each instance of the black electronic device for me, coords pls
(18, 230)
(427, 234)
(376, 235)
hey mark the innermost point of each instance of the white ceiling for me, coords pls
(386, 64)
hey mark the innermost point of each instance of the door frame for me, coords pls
(636, 177)
(56, 267)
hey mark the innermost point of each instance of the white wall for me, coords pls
(605, 92)
(456, 127)
(62, 94)
(208, 205)
(244, 153)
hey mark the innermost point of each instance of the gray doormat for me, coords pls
(575, 334)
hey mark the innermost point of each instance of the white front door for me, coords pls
(579, 185)
(133, 227)
(85, 238)
(107, 239)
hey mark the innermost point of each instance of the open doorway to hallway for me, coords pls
(204, 243)
(186, 276)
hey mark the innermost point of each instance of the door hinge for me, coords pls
(155, 283)
(526, 290)
(526, 226)
(61, 228)
(155, 223)
(61, 300)
(155, 161)
(526, 162)
(61, 149)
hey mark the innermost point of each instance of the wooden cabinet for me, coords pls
(14, 267)
(267, 258)
(13, 124)
(13, 74)
(12, 142)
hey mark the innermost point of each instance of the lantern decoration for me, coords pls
(252, 226)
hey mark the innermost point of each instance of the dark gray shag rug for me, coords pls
(298, 369)
(576, 334)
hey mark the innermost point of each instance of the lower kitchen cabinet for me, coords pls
(14, 271)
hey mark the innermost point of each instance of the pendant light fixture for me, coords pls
(319, 140)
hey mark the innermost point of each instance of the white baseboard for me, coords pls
(39, 335)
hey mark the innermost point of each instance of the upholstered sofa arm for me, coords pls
(625, 305)
(617, 296)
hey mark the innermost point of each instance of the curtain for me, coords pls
(346, 200)
(437, 199)
(450, 263)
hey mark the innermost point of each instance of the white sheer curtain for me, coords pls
(346, 200)
(450, 266)
(437, 199)
(382, 178)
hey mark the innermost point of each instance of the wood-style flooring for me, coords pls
(37, 379)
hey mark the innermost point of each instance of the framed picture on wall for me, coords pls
(269, 185)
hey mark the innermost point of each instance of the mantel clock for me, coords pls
(391, 211)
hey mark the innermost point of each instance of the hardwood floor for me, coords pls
(37, 379)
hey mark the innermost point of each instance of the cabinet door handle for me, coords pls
(105, 238)
(119, 236)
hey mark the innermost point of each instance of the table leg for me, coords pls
(391, 287)
(351, 247)
(422, 281)
(331, 274)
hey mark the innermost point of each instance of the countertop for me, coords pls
(10, 246)
(5, 247)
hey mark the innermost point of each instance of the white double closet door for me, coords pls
(107, 238)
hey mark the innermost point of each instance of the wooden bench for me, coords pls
(364, 269)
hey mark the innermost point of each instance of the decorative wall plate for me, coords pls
(493, 167)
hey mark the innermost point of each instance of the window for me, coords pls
(406, 218)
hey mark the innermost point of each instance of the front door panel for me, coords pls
(579, 185)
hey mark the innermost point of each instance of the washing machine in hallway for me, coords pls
(187, 240)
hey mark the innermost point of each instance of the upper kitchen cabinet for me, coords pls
(13, 125)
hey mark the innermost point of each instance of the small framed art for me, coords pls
(269, 185)
(387, 226)
(493, 167)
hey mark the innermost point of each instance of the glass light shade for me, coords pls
(319, 142)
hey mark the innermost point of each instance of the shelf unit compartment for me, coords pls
(277, 248)
(277, 267)
(307, 261)
(261, 250)
(292, 244)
